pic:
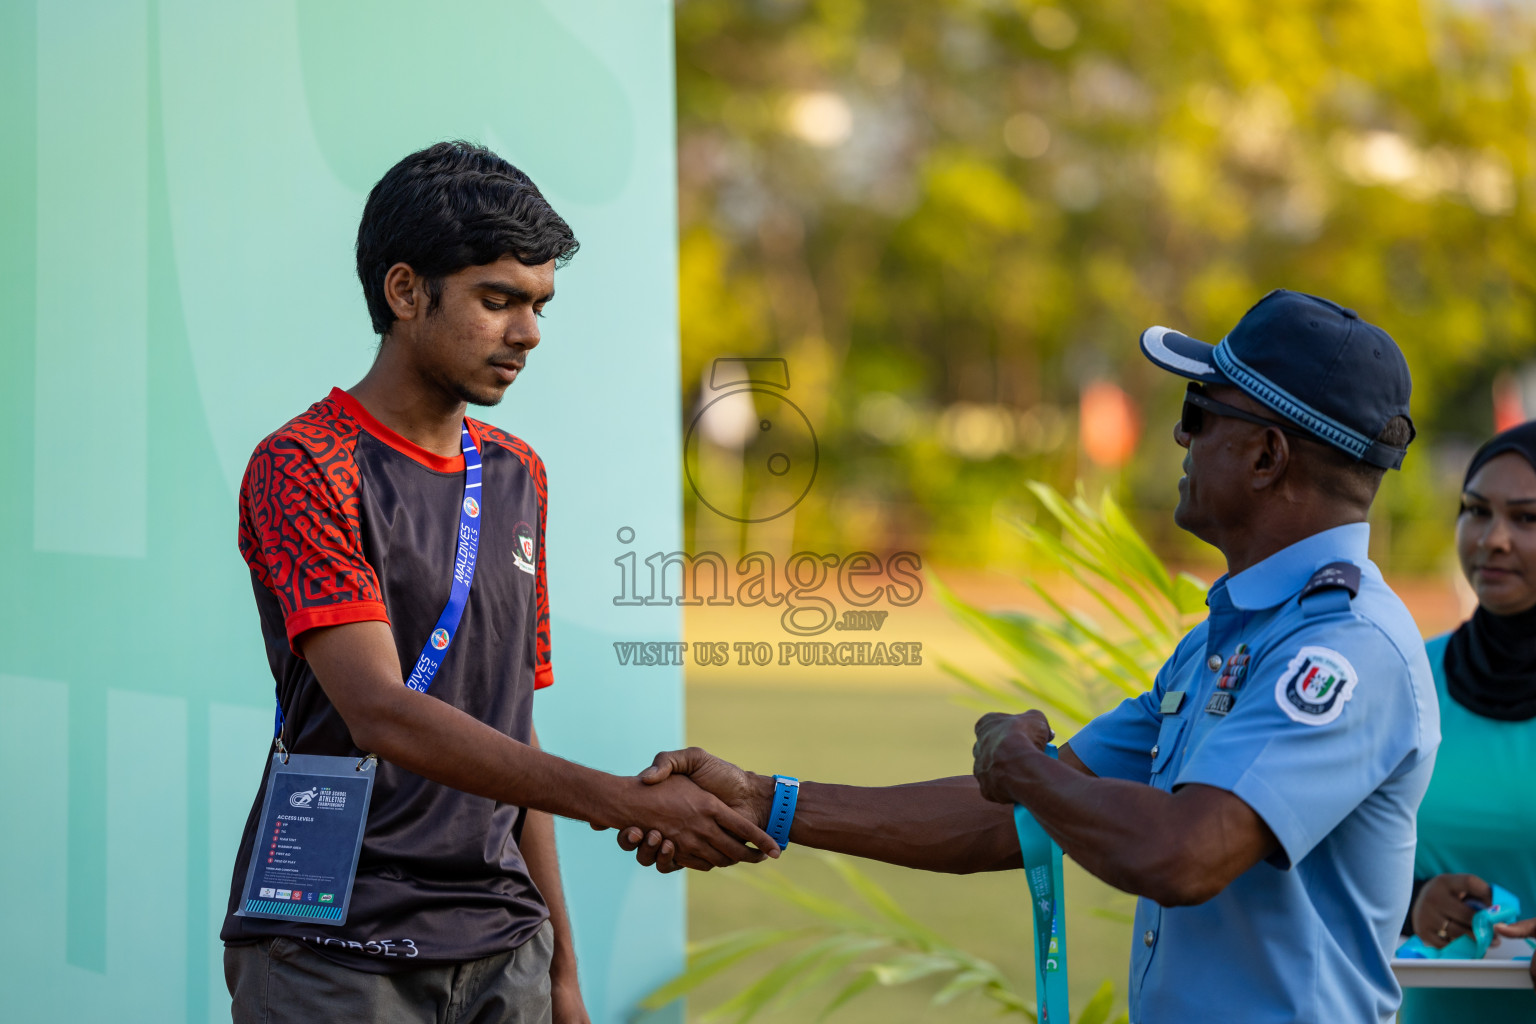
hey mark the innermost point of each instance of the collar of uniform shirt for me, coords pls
(1280, 576)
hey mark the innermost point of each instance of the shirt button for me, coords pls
(1154, 751)
(1213, 662)
(1148, 938)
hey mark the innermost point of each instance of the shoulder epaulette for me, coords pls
(1329, 581)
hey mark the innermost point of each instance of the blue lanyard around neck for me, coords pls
(468, 549)
(463, 572)
(1042, 868)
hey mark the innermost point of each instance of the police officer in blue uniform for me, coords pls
(1261, 798)
(1266, 788)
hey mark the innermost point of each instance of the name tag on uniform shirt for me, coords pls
(1221, 702)
(308, 839)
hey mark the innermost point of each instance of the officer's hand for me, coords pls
(1520, 930)
(741, 791)
(1441, 914)
(747, 794)
(705, 832)
(1001, 742)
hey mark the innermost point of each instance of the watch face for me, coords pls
(750, 455)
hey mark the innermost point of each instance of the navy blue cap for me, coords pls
(1310, 360)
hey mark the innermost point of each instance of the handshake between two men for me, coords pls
(958, 825)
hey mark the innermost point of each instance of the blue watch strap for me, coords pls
(786, 792)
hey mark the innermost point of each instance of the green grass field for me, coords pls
(876, 736)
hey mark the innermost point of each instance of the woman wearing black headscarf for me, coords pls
(1477, 824)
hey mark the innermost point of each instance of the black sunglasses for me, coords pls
(1197, 403)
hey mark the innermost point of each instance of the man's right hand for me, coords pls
(744, 793)
(702, 828)
(1441, 914)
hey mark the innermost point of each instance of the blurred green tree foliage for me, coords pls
(951, 216)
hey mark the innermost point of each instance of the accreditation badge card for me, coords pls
(308, 839)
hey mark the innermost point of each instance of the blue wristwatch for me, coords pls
(786, 791)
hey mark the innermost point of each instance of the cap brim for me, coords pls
(1181, 354)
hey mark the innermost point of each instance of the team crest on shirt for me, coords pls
(1315, 686)
(472, 508)
(522, 547)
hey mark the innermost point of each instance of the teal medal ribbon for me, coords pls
(1042, 867)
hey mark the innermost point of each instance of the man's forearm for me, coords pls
(543, 862)
(359, 669)
(1113, 828)
(539, 853)
(442, 743)
(1120, 831)
(941, 825)
(1174, 848)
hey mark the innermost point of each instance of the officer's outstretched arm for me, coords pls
(939, 825)
(1176, 848)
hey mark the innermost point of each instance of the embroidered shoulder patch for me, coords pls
(1315, 686)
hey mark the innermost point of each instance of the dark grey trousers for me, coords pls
(282, 981)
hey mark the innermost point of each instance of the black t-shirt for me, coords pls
(343, 520)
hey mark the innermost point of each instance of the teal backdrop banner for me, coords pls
(179, 192)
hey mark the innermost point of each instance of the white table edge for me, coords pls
(1513, 974)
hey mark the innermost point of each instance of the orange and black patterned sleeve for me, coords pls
(544, 671)
(301, 530)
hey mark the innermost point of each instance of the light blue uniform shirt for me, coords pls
(1330, 738)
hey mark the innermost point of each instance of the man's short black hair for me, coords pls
(1340, 475)
(451, 206)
